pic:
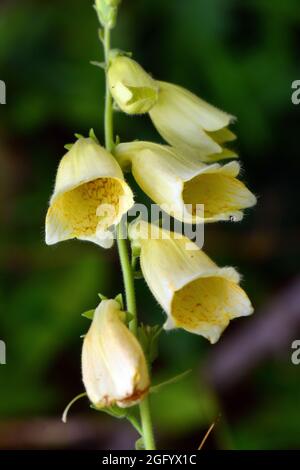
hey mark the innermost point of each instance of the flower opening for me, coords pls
(90, 196)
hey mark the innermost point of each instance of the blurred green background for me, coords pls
(241, 55)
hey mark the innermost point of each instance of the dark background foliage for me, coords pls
(241, 55)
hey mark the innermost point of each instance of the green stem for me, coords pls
(108, 112)
(128, 279)
(148, 435)
(128, 276)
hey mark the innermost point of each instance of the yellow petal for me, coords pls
(196, 294)
(223, 135)
(179, 185)
(132, 88)
(90, 196)
(186, 121)
(206, 306)
(221, 193)
(226, 154)
(114, 367)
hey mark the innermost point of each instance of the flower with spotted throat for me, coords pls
(89, 197)
(179, 184)
(195, 293)
(114, 367)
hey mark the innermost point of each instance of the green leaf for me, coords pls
(173, 380)
(119, 299)
(93, 136)
(128, 317)
(102, 297)
(79, 136)
(68, 146)
(115, 411)
(148, 337)
(88, 314)
(131, 414)
(101, 65)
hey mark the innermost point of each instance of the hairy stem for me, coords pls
(128, 275)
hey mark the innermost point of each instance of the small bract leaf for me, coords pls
(93, 136)
(68, 146)
(133, 416)
(70, 404)
(114, 411)
(128, 317)
(101, 65)
(173, 380)
(139, 445)
(88, 314)
(102, 297)
(148, 337)
(119, 299)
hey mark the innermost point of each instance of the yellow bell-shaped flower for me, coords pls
(196, 294)
(114, 367)
(134, 91)
(178, 184)
(191, 124)
(89, 197)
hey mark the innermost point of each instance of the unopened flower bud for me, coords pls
(134, 91)
(114, 367)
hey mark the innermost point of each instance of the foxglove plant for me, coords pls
(90, 198)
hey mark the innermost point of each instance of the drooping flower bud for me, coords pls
(134, 91)
(107, 12)
(114, 367)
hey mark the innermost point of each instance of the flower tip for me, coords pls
(252, 200)
(134, 91)
(112, 352)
